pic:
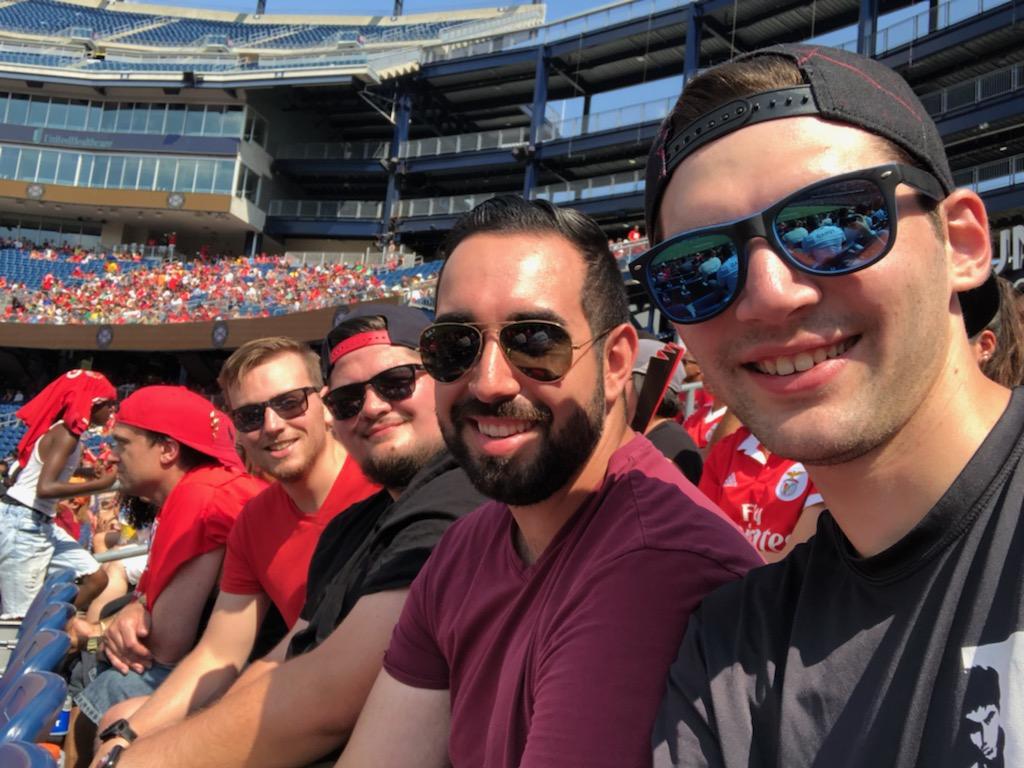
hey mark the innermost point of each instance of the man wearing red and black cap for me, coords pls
(834, 330)
(174, 450)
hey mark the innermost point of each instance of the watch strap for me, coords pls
(119, 729)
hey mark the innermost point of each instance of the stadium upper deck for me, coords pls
(323, 133)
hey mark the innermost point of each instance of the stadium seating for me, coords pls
(47, 17)
(29, 707)
(58, 589)
(53, 616)
(21, 754)
(41, 652)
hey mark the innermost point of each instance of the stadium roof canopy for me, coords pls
(98, 41)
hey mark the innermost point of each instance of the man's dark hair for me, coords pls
(982, 689)
(189, 457)
(604, 294)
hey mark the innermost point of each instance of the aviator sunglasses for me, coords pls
(832, 227)
(540, 349)
(394, 384)
(287, 405)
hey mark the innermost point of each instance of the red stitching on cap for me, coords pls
(871, 80)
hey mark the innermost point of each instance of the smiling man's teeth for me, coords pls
(505, 429)
(802, 361)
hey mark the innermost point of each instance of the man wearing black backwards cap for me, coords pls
(289, 713)
(854, 361)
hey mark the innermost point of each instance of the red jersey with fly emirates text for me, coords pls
(762, 493)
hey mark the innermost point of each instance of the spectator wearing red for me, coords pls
(173, 450)
(770, 498)
(274, 388)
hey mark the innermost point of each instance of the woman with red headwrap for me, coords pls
(48, 454)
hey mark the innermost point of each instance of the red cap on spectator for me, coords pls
(190, 419)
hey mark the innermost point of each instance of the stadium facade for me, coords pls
(125, 123)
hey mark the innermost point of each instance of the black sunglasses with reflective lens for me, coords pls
(832, 227)
(394, 385)
(540, 349)
(287, 405)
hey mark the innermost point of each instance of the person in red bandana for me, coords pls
(175, 451)
(48, 454)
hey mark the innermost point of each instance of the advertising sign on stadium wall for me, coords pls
(124, 142)
(1008, 253)
(173, 337)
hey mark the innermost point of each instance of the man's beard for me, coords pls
(395, 472)
(521, 482)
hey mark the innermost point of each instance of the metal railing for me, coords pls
(335, 150)
(532, 15)
(1007, 172)
(441, 206)
(631, 114)
(326, 209)
(586, 189)
(927, 22)
(571, 26)
(506, 138)
(970, 92)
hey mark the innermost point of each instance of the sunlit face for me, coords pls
(822, 369)
(391, 441)
(285, 449)
(138, 461)
(519, 440)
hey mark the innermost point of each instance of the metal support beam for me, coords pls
(691, 60)
(403, 113)
(540, 103)
(867, 27)
(586, 113)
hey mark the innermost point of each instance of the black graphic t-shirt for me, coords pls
(913, 657)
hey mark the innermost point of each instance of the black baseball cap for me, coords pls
(402, 328)
(840, 86)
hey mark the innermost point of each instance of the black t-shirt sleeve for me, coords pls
(400, 562)
(684, 730)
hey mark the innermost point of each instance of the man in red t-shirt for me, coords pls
(539, 632)
(175, 451)
(274, 388)
(771, 498)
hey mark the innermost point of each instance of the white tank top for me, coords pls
(24, 488)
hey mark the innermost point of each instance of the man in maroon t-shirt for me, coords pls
(540, 631)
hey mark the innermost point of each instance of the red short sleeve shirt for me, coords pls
(273, 540)
(196, 518)
(763, 493)
(701, 424)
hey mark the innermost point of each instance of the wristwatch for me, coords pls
(112, 757)
(119, 729)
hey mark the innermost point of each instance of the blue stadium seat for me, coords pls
(40, 653)
(53, 616)
(58, 588)
(29, 707)
(21, 754)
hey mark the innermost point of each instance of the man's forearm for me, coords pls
(247, 728)
(197, 680)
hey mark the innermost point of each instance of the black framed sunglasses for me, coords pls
(832, 227)
(287, 405)
(394, 385)
(540, 349)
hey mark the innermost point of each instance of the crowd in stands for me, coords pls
(120, 289)
(496, 537)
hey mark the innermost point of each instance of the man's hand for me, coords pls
(124, 639)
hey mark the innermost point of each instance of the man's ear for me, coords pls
(620, 349)
(968, 241)
(170, 450)
(328, 416)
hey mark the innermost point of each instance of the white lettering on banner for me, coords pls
(1010, 251)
